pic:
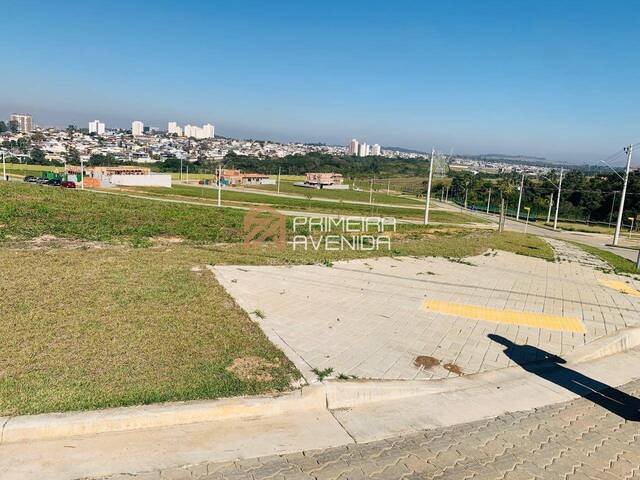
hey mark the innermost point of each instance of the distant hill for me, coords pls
(405, 150)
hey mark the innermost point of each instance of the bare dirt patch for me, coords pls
(45, 242)
(426, 362)
(453, 368)
(252, 368)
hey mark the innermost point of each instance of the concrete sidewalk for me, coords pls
(368, 318)
(182, 451)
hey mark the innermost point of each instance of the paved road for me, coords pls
(594, 239)
(576, 440)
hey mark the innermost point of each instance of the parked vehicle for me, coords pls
(42, 181)
(68, 184)
(30, 179)
(54, 182)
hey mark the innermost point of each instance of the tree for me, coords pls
(72, 156)
(14, 126)
(38, 157)
(3, 127)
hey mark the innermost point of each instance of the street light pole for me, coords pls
(555, 221)
(219, 185)
(180, 169)
(528, 209)
(520, 197)
(371, 192)
(550, 205)
(81, 173)
(489, 200)
(279, 169)
(426, 205)
(4, 168)
(616, 236)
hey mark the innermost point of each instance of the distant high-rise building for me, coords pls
(172, 128)
(375, 150)
(24, 121)
(209, 130)
(353, 147)
(97, 127)
(363, 150)
(137, 128)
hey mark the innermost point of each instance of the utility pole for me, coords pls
(520, 198)
(613, 202)
(550, 205)
(180, 169)
(555, 221)
(489, 200)
(219, 185)
(187, 173)
(446, 196)
(388, 186)
(371, 192)
(81, 173)
(501, 220)
(466, 192)
(4, 168)
(279, 169)
(616, 236)
(426, 205)
(442, 195)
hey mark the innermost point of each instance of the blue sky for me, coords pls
(559, 79)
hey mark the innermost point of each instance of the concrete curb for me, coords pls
(57, 425)
(330, 395)
(616, 342)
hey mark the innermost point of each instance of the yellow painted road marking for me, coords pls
(511, 317)
(620, 286)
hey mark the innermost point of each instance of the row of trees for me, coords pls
(584, 198)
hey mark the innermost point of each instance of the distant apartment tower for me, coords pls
(172, 127)
(353, 147)
(363, 150)
(137, 128)
(207, 131)
(24, 121)
(96, 127)
(376, 150)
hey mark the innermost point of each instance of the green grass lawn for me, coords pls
(28, 211)
(85, 329)
(296, 204)
(379, 195)
(88, 325)
(616, 262)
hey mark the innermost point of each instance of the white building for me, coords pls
(207, 131)
(353, 147)
(24, 121)
(363, 150)
(172, 127)
(137, 128)
(376, 150)
(96, 127)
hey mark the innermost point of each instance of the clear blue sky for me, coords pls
(559, 79)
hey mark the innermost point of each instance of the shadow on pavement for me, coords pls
(548, 366)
